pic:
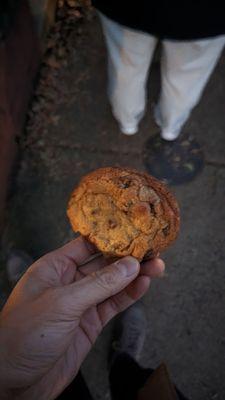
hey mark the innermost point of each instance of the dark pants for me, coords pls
(126, 377)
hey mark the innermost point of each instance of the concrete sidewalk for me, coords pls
(186, 319)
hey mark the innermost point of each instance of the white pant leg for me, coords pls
(129, 56)
(185, 70)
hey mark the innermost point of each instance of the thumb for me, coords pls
(101, 285)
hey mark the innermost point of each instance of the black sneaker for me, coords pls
(16, 265)
(174, 162)
(128, 333)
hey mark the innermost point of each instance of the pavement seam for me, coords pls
(214, 163)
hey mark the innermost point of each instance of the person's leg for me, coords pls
(76, 390)
(128, 336)
(129, 56)
(185, 70)
(126, 377)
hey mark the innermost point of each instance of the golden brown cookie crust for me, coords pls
(124, 212)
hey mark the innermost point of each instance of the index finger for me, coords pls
(79, 250)
(153, 268)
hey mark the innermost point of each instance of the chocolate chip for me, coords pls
(166, 230)
(124, 183)
(148, 255)
(152, 208)
(129, 203)
(112, 224)
(95, 211)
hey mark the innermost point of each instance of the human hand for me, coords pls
(55, 313)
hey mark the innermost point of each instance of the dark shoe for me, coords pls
(129, 333)
(16, 265)
(174, 162)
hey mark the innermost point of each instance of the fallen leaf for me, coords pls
(71, 3)
(75, 13)
(185, 143)
(61, 51)
(61, 3)
(54, 119)
(51, 43)
(189, 167)
(52, 62)
(195, 151)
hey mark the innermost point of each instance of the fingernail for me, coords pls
(162, 266)
(129, 264)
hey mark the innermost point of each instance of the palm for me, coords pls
(56, 331)
(86, 331)
(80, 344)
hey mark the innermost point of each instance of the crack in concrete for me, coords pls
(214, 163)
